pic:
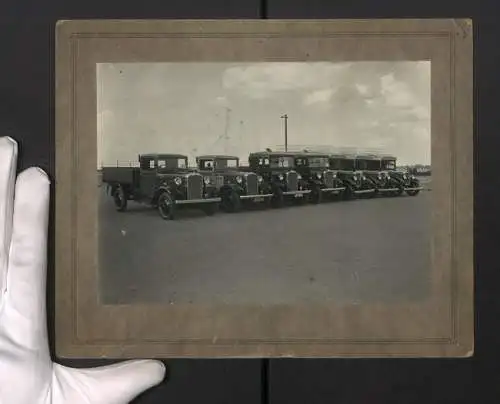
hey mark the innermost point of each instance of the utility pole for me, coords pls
(285, 117)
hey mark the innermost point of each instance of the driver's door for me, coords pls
(148, 178)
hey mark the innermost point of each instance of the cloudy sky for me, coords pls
(184, 108)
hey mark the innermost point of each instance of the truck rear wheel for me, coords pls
(120, 199)
(166, 206)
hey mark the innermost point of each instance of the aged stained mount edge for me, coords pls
(458, 30)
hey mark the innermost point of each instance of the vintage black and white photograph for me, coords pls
(264, 183)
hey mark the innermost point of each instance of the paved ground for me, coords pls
(354, 251)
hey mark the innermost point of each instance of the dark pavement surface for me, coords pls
(352, 251)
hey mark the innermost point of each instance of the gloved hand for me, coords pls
(27, 373)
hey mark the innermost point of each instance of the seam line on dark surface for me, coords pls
(264, 381)
(263, 9)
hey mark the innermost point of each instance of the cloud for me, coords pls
(318, 96)
(263, 79)
(365, 104)
(362, 89)
(221, 101)
(396, 93)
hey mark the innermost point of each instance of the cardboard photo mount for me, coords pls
(441, 326)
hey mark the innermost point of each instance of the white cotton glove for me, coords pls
(27, 373)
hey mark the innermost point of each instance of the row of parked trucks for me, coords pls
(274, 179)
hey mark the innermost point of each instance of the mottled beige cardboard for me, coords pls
(441, 326)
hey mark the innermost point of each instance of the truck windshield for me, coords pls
(227, 163)
(281, 162)
(370, 165)
(388, 164)
(318, 162)
(342, 164)
(171, 162)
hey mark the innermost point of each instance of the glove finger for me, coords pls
(8, 163)
(119, 383)
(26, 278)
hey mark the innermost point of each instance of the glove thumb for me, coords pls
(119, 383)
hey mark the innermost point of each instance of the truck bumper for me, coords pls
(257, 197)
(364, 191)
(333, 190)
(193, 201)
(388, 189)
(414, 189)
(297, 194)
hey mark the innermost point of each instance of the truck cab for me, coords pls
(236, 188)
(317, 175)
(356, 183)
(278, 170)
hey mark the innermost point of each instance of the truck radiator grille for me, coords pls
(194, 186)
(252, 184)
(329, 179)
(292, 181)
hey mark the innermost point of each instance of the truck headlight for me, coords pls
(260, 179)
(281, 177)
(239, 179)
(178, 180)
(379, 177)
(299, 177)
(355, 177)
(334, 175)
(206, 180)
(318, 175)
(364, 178)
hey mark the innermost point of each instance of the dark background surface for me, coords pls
(26, 113)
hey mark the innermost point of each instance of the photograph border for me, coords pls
(443, 326)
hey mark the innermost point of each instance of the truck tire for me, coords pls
(166, 206)
(231, 201)
(414, 192)
(277, 200)
(316, 196)
(348, 193)
(120, 199)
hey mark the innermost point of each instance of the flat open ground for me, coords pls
(353, 251)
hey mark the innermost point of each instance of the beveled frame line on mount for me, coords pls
(85, 328)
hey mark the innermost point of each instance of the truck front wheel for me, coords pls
(277, 200)
(120, 199)
(166, 206)
(414, 192)
(231, 201)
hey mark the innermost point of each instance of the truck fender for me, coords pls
(161, 189)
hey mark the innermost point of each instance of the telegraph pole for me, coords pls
(285, 117)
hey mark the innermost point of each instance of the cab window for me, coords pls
(147, 164)
(207, 164)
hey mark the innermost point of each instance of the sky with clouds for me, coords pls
(187, 107)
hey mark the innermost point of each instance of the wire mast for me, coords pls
(285, 118)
